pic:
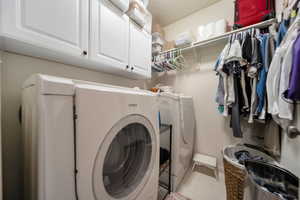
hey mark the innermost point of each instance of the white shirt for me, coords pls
(286, 108)
(278, 76)
(225, 77)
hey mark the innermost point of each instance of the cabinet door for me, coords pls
(59, 25)
(109, 34)
(140, 50)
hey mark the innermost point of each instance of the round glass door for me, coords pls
(126, 159)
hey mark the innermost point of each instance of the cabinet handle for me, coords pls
(84, 53)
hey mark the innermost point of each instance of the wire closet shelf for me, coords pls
(224, 36)
(221, 38)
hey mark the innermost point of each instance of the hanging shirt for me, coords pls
(274, 79)
(236, 108)
(234, 55)
(244, 91)
(285, 106)
(235, 52)
(256, 60)
(261, 85)
(269, 51)
(281, 32)
(220, 92)
(253, 104)
(223, 77)
(256, 64)
(247, 57)
(293, 92)
(247, 48)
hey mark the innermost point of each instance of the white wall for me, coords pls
(220, 10)
(16, 69)
(223, 9)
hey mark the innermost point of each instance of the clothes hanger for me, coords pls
(169, 61)
(180, 60)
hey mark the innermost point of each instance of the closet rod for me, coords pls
(224, 36)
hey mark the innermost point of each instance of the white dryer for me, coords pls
(89, 141)
(178, 110)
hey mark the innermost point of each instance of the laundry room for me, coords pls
(149, 100)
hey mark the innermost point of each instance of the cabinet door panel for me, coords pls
(109, 33)
(140, 49)
(56, 18)
(60, 25)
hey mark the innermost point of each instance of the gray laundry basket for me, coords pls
(266, 181)
(235, 173)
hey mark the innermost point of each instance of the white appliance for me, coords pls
(89, 141)
(178, 110)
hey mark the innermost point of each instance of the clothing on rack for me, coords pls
(172, 60)
(283, 77)
(259, 75)
(242, 68)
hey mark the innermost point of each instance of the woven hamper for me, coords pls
(235, 173)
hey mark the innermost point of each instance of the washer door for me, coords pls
(125, 159)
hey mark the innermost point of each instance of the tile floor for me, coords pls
(200, 185)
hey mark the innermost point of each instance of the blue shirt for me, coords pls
(281, 32)
(261, 85)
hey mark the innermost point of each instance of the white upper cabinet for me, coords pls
(94, 34)
(140, 50)
(109, 41)
(59, 25)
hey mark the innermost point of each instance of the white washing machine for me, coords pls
(87, 141)
(178, 110)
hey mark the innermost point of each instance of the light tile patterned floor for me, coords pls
(199, 186)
